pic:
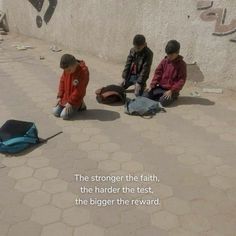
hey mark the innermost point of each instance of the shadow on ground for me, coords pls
(97, 114)
(187, 100)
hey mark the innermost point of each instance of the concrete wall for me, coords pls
(105, 28)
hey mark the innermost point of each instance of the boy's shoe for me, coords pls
(83, 107)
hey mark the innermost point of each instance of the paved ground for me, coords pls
(191, 148)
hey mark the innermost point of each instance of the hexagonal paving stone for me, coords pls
(226, 171)
(36, 199)
(212, 160)
(100, 139)
(109, 165)
(220, 182)
(181, 232)
(28, 185)
(35, 153)
(79, 138)
(72, 130)
(135, 218)
(55, 186)
(165, 220)
(212, 233)
(4, 228)
(20, 172)
(16, 213)
(121, 156)
(231, 193)
(14, 161)
(76, 216)
(150, 231)
(46, 173)
(97, 155)
(188, 159)
(90, 230)
(91, 131)
(46, 215)
(38, 162)
(195, 223)
(174, 149)
(162, 191)
(204, 207)
(24, 229)
(64, 200)
(109, 218)
(57, 229)
(132, 166)
(89, 146)
(204, 169)
(176, 206)
(110, 147)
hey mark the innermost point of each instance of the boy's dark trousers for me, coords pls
(157, 95)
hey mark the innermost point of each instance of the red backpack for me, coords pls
(111, 94)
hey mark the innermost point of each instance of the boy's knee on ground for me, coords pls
(64, 115)
(55, 112)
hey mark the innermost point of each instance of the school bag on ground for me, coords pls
(142, 106)
(16, 136)
(111, 94)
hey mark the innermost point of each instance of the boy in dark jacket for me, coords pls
(169, 77)
(72, 87)
(138, 65)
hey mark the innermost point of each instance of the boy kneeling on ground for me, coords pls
(72, 87)
(138, 65)
(169, 77)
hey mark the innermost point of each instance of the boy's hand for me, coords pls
(137, 89)
(122, 83)
(167, 94)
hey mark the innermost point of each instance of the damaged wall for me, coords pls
(105, 28)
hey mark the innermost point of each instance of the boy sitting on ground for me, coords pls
(138, 65)
(72, 87)
(169, 77)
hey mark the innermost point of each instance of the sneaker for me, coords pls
(83, 107)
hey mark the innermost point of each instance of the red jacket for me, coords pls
(72, 88)
(170, 75)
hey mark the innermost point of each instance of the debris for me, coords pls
(3, 33)
(22, 47)
(54, 48)
(212, 90)
(195, 94)
(41, 57)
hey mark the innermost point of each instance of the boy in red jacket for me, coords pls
(72, 87)
(169, 77)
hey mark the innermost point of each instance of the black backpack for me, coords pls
(17, 136)
(111, 94)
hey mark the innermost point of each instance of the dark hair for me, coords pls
(172, 46)
(139, 40)
(67, 60)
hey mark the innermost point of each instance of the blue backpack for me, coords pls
(142, 106)
(16, 136)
